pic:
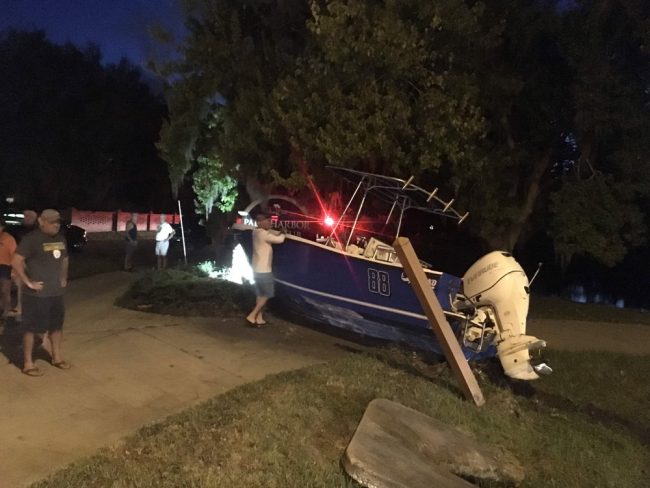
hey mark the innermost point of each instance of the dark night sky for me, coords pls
(119, 27)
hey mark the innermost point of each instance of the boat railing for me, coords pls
(401, 194)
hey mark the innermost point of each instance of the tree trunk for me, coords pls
(254, 189)
(510, 236)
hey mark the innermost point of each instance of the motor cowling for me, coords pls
(498, 286)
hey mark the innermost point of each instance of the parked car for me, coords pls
(75, 236)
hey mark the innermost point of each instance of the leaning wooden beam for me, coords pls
(438, 321)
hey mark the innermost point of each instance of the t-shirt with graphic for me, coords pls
(7, 248)
(44, 257)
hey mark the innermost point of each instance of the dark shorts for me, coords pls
(5, 272)
(131, 246)
(41, 314)
(264, 285)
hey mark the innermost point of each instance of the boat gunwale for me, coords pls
(245, 227)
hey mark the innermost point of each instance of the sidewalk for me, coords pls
(130, 369)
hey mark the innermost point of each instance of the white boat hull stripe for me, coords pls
(357, 302)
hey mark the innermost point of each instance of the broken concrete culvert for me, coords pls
(396, 446)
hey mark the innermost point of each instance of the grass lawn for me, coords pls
(550, 307)
(586, 426)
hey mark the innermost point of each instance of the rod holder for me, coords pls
(448, 204)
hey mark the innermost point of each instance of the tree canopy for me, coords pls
(535, 117)
(74, 132)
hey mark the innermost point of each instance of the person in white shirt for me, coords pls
(263, 239)
(164, 233)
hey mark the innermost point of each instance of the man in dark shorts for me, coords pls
(41, 261)
(263, 239)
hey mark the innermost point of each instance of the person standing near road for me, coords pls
(263, 239)
(164, 233)
(131, 241)
(41, 262)
(7, 250)
(30, 222)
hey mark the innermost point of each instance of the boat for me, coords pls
(359, 284)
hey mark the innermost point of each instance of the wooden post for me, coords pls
(438, 321)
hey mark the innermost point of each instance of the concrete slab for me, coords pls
(397, 447)
(130, 369)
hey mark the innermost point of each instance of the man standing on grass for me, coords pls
(131, 241)
(164, 233)
(263, 238)
(41, 262)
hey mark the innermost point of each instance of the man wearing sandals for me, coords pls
(41, 262)
(263, 238)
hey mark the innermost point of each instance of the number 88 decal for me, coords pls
(378, 282)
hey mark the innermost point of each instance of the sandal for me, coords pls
(32, 371)
(255, 325)
(62, 365)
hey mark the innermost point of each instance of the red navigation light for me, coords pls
(329, 221)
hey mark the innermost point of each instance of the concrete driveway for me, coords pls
(130, 369)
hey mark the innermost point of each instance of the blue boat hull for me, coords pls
(365, 296)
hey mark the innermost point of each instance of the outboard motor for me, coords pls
(497, 289)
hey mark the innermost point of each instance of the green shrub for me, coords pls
(183, 292)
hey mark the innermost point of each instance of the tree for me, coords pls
(556, 80)
(220, 97)
(479, 97)
(598, 208)
(73, 131)
(386, 87)
(271, 69)
(213, 187)
(523, 99)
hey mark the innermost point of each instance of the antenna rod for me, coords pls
(539, 266)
